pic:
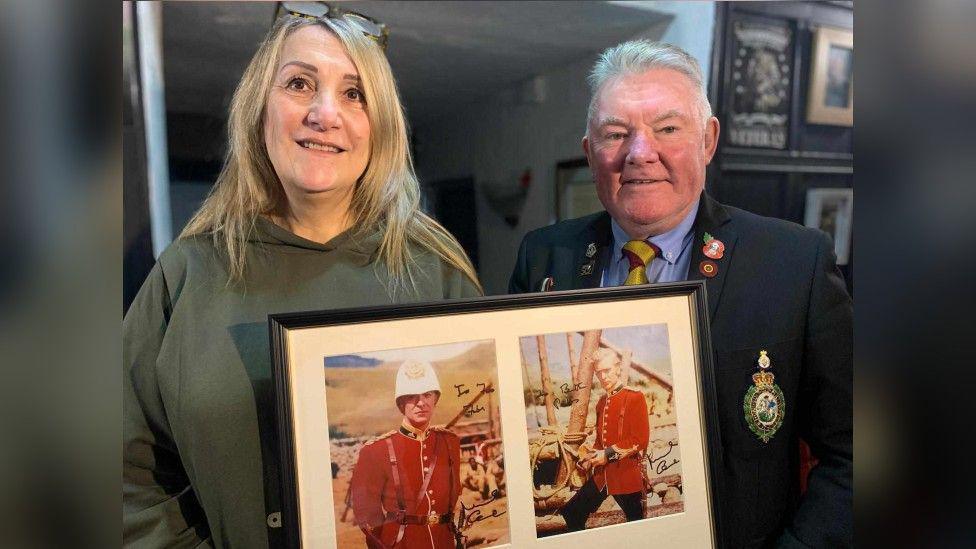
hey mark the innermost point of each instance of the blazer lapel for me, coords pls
(712, 218)
(588, 267)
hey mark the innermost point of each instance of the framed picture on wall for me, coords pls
(830, 98)
(760, 67)
(575, 191)
(468, 423)
(832, 211)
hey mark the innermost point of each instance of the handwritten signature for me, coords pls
(559, 401)
(472, 515)
(462, 389)
(659, 464)
(471, 409)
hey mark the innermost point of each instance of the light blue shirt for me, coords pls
(671, 266)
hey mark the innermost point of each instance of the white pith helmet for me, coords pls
(416, 377)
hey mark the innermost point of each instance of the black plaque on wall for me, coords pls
(761, 71)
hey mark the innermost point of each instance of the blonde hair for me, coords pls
(386, 196)
(604, 355)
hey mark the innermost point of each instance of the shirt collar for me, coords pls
(410, 431)
(671, 243)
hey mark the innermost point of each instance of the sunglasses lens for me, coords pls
(365, 25)
(311, 9)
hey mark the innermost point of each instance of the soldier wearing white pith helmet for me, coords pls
(406, 482)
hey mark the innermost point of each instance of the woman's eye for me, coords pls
(298, 85)
(354, 94)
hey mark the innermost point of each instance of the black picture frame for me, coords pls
(542, 306)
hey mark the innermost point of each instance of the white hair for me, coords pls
(638, 56)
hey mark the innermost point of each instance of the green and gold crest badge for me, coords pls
(764, 403)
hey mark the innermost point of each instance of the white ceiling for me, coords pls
(443, 54)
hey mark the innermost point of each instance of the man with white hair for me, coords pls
(406, 482)
(617, 459)
(781, 318)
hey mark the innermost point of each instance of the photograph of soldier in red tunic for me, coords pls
(407, 481)
(403, 487)
(603, 439)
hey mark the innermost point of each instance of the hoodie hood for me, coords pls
(360, 245)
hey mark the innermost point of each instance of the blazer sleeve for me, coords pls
(159, 506)
(825, 411)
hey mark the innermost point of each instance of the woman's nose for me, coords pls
(323, 113)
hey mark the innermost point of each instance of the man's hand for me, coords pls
(595, 459)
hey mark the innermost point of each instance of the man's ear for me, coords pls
(586, 147)
(710, 139)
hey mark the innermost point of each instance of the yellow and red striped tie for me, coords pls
(639, 253)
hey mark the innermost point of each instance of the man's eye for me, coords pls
(614, 136)
(669, 129)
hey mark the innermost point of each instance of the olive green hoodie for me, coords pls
(200, 451)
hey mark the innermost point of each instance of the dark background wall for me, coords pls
(769, 180)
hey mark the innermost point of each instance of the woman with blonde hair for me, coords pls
(317, 207)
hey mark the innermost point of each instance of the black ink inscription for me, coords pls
(566, 389)
(471, 515)
(472, 409)
(659, 464)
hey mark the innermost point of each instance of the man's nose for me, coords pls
(643, 150)
(323, 113)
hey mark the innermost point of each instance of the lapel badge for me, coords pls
(764, 404)
(591, 250)
(764, 361)
(714, 249)
(547, 284)
(586, 269)
(708, 268)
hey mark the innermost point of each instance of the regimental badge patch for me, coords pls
(415, 370)
(764, 404)
(591, 250)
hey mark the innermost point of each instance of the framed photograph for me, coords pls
(575, 190)
(493, 422)
(759, 61)
(830, 98)
(832, 211)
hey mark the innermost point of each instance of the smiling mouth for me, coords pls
(642, 181)
(316, 146)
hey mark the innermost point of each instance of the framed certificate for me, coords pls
(584, 416)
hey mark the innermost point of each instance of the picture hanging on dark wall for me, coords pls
(830, 99)
(832, 211)
(761, 77)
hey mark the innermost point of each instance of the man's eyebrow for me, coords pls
(611, 121)
(673, 113)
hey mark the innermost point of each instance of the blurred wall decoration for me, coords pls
(770, 155)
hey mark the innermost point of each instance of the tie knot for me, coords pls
(640, 253)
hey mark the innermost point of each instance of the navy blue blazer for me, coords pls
(777, 289)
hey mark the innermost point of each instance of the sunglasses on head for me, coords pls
(319, 10)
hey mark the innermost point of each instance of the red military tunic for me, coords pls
(621, 422)
(374, 493)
